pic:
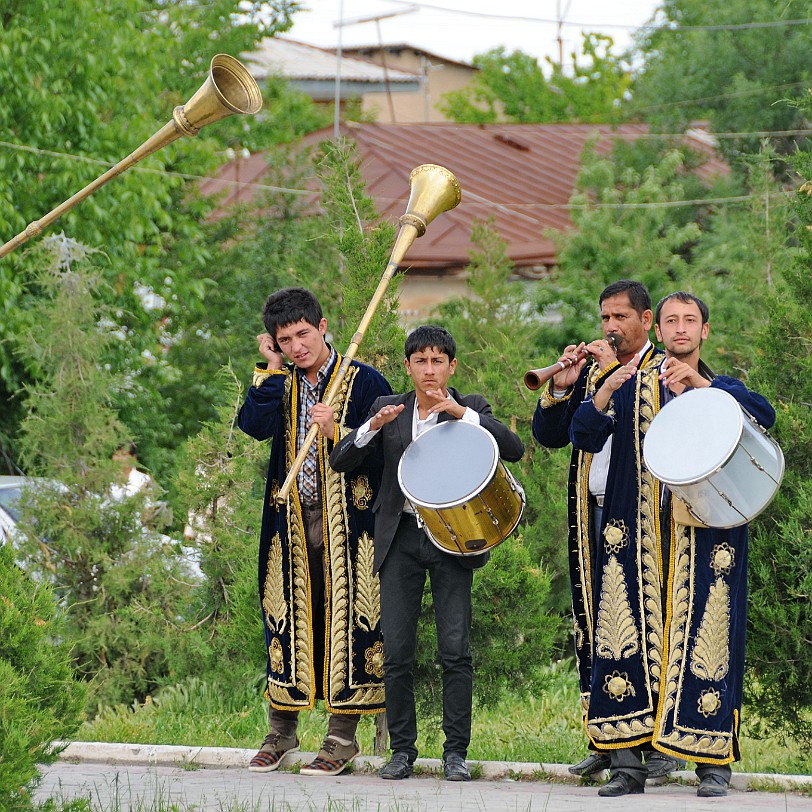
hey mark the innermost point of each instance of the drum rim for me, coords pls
(463, 499)
(717, 465)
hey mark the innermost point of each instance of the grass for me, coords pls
(544, 728)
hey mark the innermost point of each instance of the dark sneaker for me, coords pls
(397, 768)
(659, 765)
(455, 768)
(592, 764)
(270, 755)
(332, 758)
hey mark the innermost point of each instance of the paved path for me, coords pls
(139, 778)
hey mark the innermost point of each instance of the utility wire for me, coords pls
(668, 27)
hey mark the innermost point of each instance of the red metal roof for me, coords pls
(521, 174)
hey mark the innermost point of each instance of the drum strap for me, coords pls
(682, 514)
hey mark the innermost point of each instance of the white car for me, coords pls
(10, 488)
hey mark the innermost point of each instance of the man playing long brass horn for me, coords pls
(319, 593)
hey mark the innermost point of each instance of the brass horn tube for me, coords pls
(228, 89)
(433, 190)
(536, 378)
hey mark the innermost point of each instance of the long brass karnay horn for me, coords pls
(228, 89)
(433, 190)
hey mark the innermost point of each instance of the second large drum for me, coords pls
(466, 498)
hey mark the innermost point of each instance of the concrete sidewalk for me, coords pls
(155, 778)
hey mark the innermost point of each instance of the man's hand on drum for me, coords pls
(324, 416)
(444, 403)
(614, 382)
(386, 415)
(569, 358)
(675, 371)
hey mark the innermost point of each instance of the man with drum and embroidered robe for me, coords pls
(667, 613)
(319, 594)
(626, 318)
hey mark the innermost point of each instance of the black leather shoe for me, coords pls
(398, 767)
(455, 768)
(660, 764)
(621, 784)
(712, 786)
(593, 763)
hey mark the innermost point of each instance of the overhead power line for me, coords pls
(598, 25)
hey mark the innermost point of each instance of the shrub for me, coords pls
(39, 697)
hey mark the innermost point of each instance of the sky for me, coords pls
(459, 29)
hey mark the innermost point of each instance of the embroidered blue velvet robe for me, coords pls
(350, 680)
(661, 661)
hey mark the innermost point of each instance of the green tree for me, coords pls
(69, 110)
(122, 583)
(737, 78)
(624, 229)
(513, 87)
(41, 701)
(746, 246)
(780, 617)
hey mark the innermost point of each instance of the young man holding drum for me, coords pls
(669, 609)
(404, 553)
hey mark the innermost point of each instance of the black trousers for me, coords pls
(403, 579)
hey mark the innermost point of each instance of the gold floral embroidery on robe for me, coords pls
(710, 658)
(273, 599)
(616, 633)
(368, 594)
(361, 492)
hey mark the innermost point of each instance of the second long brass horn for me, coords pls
(229, 89)
(433, 190)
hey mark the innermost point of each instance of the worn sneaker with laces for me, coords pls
(273, 750)
(332, 758)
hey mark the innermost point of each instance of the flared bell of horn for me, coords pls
(433, 190)
(229, 89)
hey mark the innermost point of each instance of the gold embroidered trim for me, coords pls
(362, 493)
(710, 658)
(368, 596)
(723, 559)
(648, 526)
(709, 703)
(618, 686)
(261, 375)
(374, 660)
(616, 535)
(276, 656)
(616, 631)
(273, 599)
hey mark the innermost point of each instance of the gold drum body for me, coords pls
(462, 492)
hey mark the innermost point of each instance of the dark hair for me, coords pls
(639, 297)
(682, 296)
(288, 306)
(427, 335)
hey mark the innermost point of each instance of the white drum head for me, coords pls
(448, 464)
(692, 436)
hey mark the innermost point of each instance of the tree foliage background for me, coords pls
(145, 330)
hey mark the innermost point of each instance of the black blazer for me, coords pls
(391, 441)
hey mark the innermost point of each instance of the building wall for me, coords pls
(438, 77)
